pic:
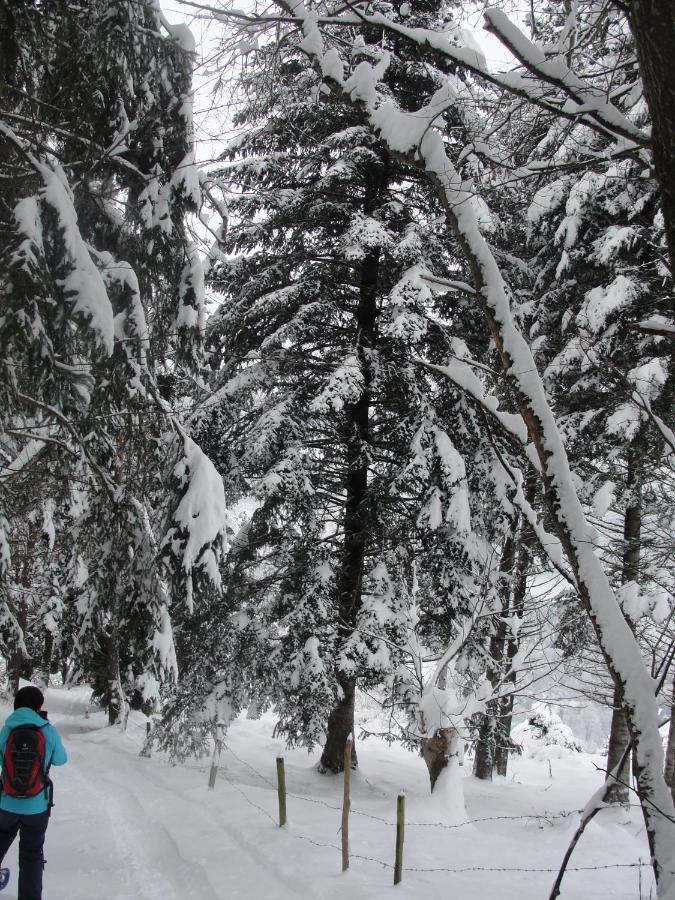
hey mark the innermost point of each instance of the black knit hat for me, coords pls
(29, 696)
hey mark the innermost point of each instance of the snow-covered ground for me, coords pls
(129, 828)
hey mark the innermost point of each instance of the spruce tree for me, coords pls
(103, 302)
(323, 407)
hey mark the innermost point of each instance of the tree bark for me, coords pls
(619, 735)
(653, 25)
(486, 746)
(619, 738)
(525, 536)
(47, 653)
(340, 728)
(670, 750)
(356, 518)
(113, 700)
(436, 751)
(18, 665)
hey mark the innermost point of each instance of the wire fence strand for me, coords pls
(454, 870)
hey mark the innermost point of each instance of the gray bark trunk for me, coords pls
(486, 746)
(653, 26)
(525, 537)
(670, 751)
(619, 735)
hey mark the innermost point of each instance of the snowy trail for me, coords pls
(119, 831)
(129, 828)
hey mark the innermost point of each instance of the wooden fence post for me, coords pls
(217, 750)
(346, 804)
(400, 824)
(281, 790)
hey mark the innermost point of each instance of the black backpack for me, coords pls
(24, 769)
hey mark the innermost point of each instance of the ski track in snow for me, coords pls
(153, 860)
(107, 838)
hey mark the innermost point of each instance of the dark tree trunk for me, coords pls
(653, 26)
(670, 750)
(18, 666)
(486, 745)
(340, 728)
(525, 537)
(113, 700)
(619, 735)
(356, 518)
(47, 653)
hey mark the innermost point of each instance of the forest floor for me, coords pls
(129, 828)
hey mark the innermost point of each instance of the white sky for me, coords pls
(212, 117)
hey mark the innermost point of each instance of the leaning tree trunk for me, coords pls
(356, 519)
(619, 735)
(653, 26)
(486, 745)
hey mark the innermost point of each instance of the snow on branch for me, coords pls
(583, 103)
(82, 283)
(195, 540)
(584, 98)
(459, 372)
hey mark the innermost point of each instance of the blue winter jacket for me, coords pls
(55, 755)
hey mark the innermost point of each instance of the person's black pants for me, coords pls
(31, 831)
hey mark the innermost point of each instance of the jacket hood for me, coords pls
(25, 716)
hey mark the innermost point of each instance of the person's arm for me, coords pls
(3, 744)
(3, 741)
(59, 755)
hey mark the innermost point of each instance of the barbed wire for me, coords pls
(422, 869)
(633, 865)
(248, 800)
(357, 812)
(447, 869)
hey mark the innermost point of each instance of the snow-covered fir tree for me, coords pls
(325, 407)
(103, 299)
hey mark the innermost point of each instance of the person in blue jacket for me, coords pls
(29, 816)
